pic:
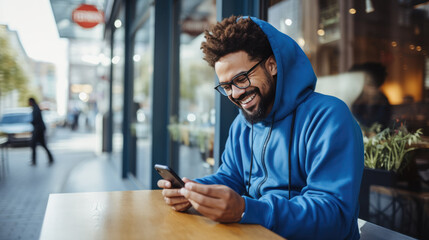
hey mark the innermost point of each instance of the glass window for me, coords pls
(373, 55)
(103, 70)
(143, 74)
(340, 36)
(141, 8)
(118, 87)
(194, 127)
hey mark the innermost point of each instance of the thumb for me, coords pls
(186, 180)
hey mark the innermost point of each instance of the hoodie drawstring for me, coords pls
(251, 165)
(265, 145)
(290, 151)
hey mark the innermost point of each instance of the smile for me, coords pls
(248, 99)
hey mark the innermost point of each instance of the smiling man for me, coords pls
(293, 161)
(256, 99)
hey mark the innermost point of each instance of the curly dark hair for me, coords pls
(235, 34)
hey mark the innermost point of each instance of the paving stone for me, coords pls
(25, 189)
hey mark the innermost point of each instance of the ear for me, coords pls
(271, 65)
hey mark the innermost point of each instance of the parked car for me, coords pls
(16, 124)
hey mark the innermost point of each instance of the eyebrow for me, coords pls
(235, 76)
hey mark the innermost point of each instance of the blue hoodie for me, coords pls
(327, 155)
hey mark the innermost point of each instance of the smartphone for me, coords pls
(168, 174)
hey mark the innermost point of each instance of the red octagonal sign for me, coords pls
(87, 16)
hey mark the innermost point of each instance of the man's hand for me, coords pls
(217, 202)
(173, 197)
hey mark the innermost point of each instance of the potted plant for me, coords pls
(387, 149)
(387, 157)
(193, 136)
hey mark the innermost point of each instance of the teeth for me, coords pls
(247, 100)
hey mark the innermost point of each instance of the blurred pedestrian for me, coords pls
(38, 132)
(75, 114)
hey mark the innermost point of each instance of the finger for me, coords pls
(171, 193)
(175, 200)
(164, 183)
(201, 199)
(182, 207)
(214, 191)
(206, 211)
(186, 180)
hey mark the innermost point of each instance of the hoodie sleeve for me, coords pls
(327, 207)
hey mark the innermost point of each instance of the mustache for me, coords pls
(244, 95)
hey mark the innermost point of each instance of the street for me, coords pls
(25, 189)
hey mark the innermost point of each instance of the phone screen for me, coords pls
(168, 174)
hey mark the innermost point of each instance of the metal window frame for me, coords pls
(165, 87)
(225, 110)
(165, 82)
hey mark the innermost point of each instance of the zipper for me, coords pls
(263, 160)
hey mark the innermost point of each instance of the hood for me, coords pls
(295, 75)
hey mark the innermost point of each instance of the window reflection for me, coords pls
(336, 35)
(118, 90)
(194, 127)
(142, 111)
(373, 55)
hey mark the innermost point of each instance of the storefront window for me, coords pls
(118, 87)
(195, 123)
(339, 35)
(143, 75)
(374, 56)
(102, 88)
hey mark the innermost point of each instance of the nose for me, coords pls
(237, 92)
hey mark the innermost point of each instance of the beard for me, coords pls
(261, 111)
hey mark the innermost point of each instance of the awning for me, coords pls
(67, 28)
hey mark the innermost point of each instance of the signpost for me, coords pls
(87, 16)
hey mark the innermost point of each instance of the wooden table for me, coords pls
(134, 215)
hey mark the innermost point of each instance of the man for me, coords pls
(293, 161)
(372, 106)
(38, 132)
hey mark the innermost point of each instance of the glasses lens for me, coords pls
(223, 89)
(241, 81)
(226, 89)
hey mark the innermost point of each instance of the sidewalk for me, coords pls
(25, 189)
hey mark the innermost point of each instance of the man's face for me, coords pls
(257, 100)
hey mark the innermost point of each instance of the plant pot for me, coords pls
(379, 177)
(373, 177)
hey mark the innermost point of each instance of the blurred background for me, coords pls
(122, 86)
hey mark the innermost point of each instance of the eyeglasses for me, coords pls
(240, 80)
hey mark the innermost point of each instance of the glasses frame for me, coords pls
(222, 91)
